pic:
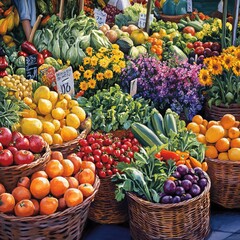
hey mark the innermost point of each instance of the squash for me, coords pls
(4, 27)
(125, 44)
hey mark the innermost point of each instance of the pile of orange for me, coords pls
(222, 138)
(64, 183)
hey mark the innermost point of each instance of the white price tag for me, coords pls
(100, 17)
(65, 81)
(142, 20)
(133, 87)
(189, 5)
(113, 2)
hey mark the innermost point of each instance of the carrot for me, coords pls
(195, 162)
(180, 162)
(188, 164)
(172, 178)
(204, 166)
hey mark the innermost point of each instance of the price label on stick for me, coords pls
(189, 5)
(31, 67)
(65, 82)
(133, 87)
(100, 17)
(142, 20)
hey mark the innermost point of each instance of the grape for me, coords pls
(186, 184)
(169, 187)
(195, 179)
(188, 177)
(186, 196)
(178, 182)
(195, 190)
(182, 169)
(202, 183)
(198, 170)
(179, 191)
(176, 174)
(167, 199)
(176, 199)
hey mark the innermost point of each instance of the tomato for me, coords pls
(127, 160)
(91, 158)
(104, 158)
(23, 157)
(87, 149)
(125, 147)
(97, 158)
(207, 45)
(117, 153)
(109, 150)
(97, 135)
(118, 144)
(108, 166)
(130, 154)
(107, 142)
(22, 143)
(135, 148)
(16, 135)
(115, 170)
(5, 136)
(121, 158)
(97, 152)
(91, 140)
(109, 172)
(199, 50)
(122, 151)
(190, 45)
(102, 174)
(83, 142)
(190, 30)
(99, 141)
(110, 160)
(95, 145)
(197, 44)
(80, 154)
(6, 158)
(129, 144)
(99, 165)
(135, 141)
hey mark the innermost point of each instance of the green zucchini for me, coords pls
(145, 135)
(170, 124)
(158, 123)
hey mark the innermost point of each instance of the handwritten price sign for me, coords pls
(65, 82)
(100, 17)
(142, 20)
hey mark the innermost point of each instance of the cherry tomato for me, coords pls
(102, 174)
(117, 153)
(99, 165)
(122, 151)
(107, 166)
(118, 144)
(197, 44)
(80, 154)
(129, 144)
(83, 142)
(91, 159)
(88, 149)
(135, 141)
(130, 135)
(104, 158)
(97, 158)
(124, 146)
(107, 142)
(115, 170)
(109, 150)
(97, 152)
(127, 160)
(95, 146)
(99, 141)
(130, 154)
(97, 135)
(91, 140)
(135, 148)
(110, 160)
(109, 172)
(121, 158)
(190, 45)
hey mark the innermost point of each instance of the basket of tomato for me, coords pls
(106, 151)
(52, 203)
(20, 156)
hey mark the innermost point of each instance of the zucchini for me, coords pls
(158, 123)
(145, 135)
(170, 124)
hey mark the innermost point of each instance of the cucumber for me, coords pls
(158, 123)
(170, 124)
(145, 135)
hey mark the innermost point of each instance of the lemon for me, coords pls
(58, 113)
(33, 106)
(79, 112)
(48, 138)
(57, 139)
(72, 120)
(48, 127)
(67, 97)
(234, 154)
(68, 133)
(53, 97)
(62, 104)
(48, 117)
(72, 103)
(41, 92)
(27, 100)
(31, 126)
(29, 113)
(56, 124)
(44, 106)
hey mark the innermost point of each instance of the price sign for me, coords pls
(31, 67)
(133, 87)
(48, 75)
(100, 17)
(65, 82)
(142, 20)
(189, 5)
(113, 2)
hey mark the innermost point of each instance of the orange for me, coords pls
(68, 167)
(88, 164)
(68, 133)
(197, 119)
(86, 176)
(7, 202)
(20, 193)
(48, 127)
(73, 197)
(73, 182)
(205, 123)
(24, 208)
(72, 120)
(211, 152)
(223, 156)
(211, 123)
(214, 133)
(47, 137)
(236, 124)
(57, 155)
(24, 182)
(234, 154)
(227, 121)
(39, 174)
(2, 189)
(201, 138)
(48, 205)
(79, 112)
(61, 204)
(36, 206)
(40, 187)
(203, 129)
(58, 186)
(235, 143)
(194, 127)
(233, 132)
(54, 168)
(86, 189)
(77, 162)
(222, 145)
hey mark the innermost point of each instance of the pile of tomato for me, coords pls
(156, 46)
(106, 151)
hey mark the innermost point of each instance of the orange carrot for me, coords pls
(195, 162)
(204, 166)
(188, 164)
(180, 162)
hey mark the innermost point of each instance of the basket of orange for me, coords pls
(50, 204)
(20, 156)
(222, 139)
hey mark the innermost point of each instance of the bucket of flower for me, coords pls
(221, 76)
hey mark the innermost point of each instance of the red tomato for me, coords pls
(6, 158)
(207, 45)
(190, 30)
(22, 143)
(199, 50)
(197, 44)
(190, 45)
(23, 157)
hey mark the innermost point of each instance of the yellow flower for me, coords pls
(115, 46)
(104, 63)
(76, 75)
(116, 68)
(229, 26)
(59, 61)
(86, 60)
(83, 85)
(115, 58)
(227, 61)
(205, 78)
(214, 29)
(68, 62)
(236, 68)
(100, 76)
(122, 64)
(206, 61)
(81, 69)
(99, 55)
(94, 61)
(89, 51)
(92, 83)
(88, 74)
(199, 35)
(108, 74)
(237, 53)
(102, 50)
(215, 67)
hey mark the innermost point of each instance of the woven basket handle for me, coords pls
(35, 27)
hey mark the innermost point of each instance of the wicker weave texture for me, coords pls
(216, 113)
(10, 175)
(188, 220)
(105, 209)
(68, 224)
(225, 177)
(174, 18)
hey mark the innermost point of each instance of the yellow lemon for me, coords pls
(31, 126)
(79, 112)
(56, 124)
(72, 120)
(48, 138)
(48, 117)
(58, 113)
(29, 113)
(44, 106)
(48, 127)
(68, 133)
(72, 103)
(53, 97)
(33, 106)
(57, 139)
(27, 100)
(41, 92)
(67, 97)
(62, 104)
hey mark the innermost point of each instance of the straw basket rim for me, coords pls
(218, 161)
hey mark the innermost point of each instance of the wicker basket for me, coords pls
(105, 209)
(68, 224)
(172, 18)
(216, 112)
(69, 147)
(188, 220)
(10, 175)
(225, 177)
